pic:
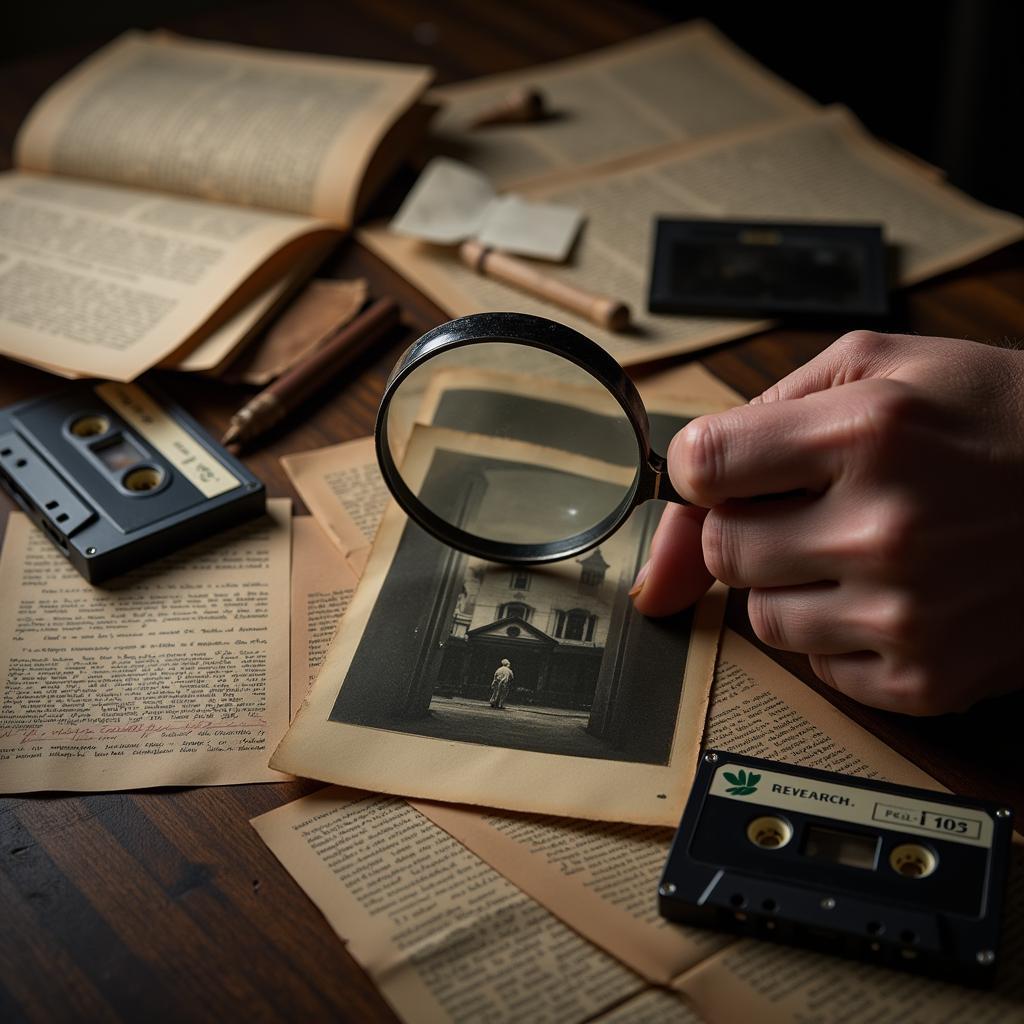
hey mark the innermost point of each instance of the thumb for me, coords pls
(675, 576)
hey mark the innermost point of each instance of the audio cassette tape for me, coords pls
(115, 476)
(886, 874)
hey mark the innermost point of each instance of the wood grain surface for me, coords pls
(164, 905)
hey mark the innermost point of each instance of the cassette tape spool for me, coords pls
(115, 476)
(885, 874)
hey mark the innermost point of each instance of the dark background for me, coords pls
(941, 78)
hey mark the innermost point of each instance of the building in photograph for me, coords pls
(552, 628)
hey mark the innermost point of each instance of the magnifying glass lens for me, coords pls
(541, 459)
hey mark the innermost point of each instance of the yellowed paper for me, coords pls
(679, 84)
(389, 711)
(817, 167)
(444, 936)
(342, 488)
(602, 880)
(322, 587)
(108, 281)
(221, 347)
(227, 123)
(652, 1006)
(175, 674)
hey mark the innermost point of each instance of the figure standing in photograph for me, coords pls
(502, 680)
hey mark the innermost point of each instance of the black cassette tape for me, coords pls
(885, 874)
(116, 476)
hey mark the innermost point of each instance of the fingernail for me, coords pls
(638, 583)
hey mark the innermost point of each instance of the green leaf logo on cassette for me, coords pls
(742, 783)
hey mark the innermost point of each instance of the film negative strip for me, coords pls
(886, 874)
(116, 476)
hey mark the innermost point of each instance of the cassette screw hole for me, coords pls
(770, 832)
(90, 551)
(90, 426)
(913, 860)
(711, 757)
(985, 957)
(908, 936)
(769, 905)
(668, 889)
(875, 928)
(737, 899)
(828, 903)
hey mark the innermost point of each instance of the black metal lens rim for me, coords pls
(550, 336)
(494, 550)
(533, 332)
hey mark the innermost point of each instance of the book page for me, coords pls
(820, 167)
(322, 587)
(104, 281)
(678, 84)
(602, 880)
(593, 728)
(233, 124)
(343, 489)
(175, 674)
(234, 340)
(444, 936)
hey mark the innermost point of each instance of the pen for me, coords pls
(273, 403)
(606, 312)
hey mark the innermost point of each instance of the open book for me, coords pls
(169, 194)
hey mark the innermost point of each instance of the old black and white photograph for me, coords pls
(528, 658)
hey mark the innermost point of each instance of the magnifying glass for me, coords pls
(545, 507)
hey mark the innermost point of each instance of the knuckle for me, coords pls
(885, 420)
(863, 344)
(913, 689)
(895, 622)
(721, 552)
(821, 666)
(883, 542)
(765, 619)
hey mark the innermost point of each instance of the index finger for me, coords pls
(755, 450)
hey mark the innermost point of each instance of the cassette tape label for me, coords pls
(191, 459)
(846, 803)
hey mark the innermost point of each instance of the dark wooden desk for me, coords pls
(164, 904)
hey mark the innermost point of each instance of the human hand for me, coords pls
(873, 501)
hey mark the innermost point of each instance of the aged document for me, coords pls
(108, 281)
(236, 124)
(602, 880)
(175, 674)
(444, 936)
(820, 166)
(608, 706)
(342, 488)
(679, 84)
(170, 193)
(322, 587)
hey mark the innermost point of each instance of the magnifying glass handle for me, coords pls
(663, 488)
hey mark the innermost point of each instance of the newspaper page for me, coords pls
(106, 281)
(442, 934)
(679, 84)
(343, 489)
(286, 132)
(322, 587)
(602, 881)
(820, 167)
(175, 674)
(405, 702)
